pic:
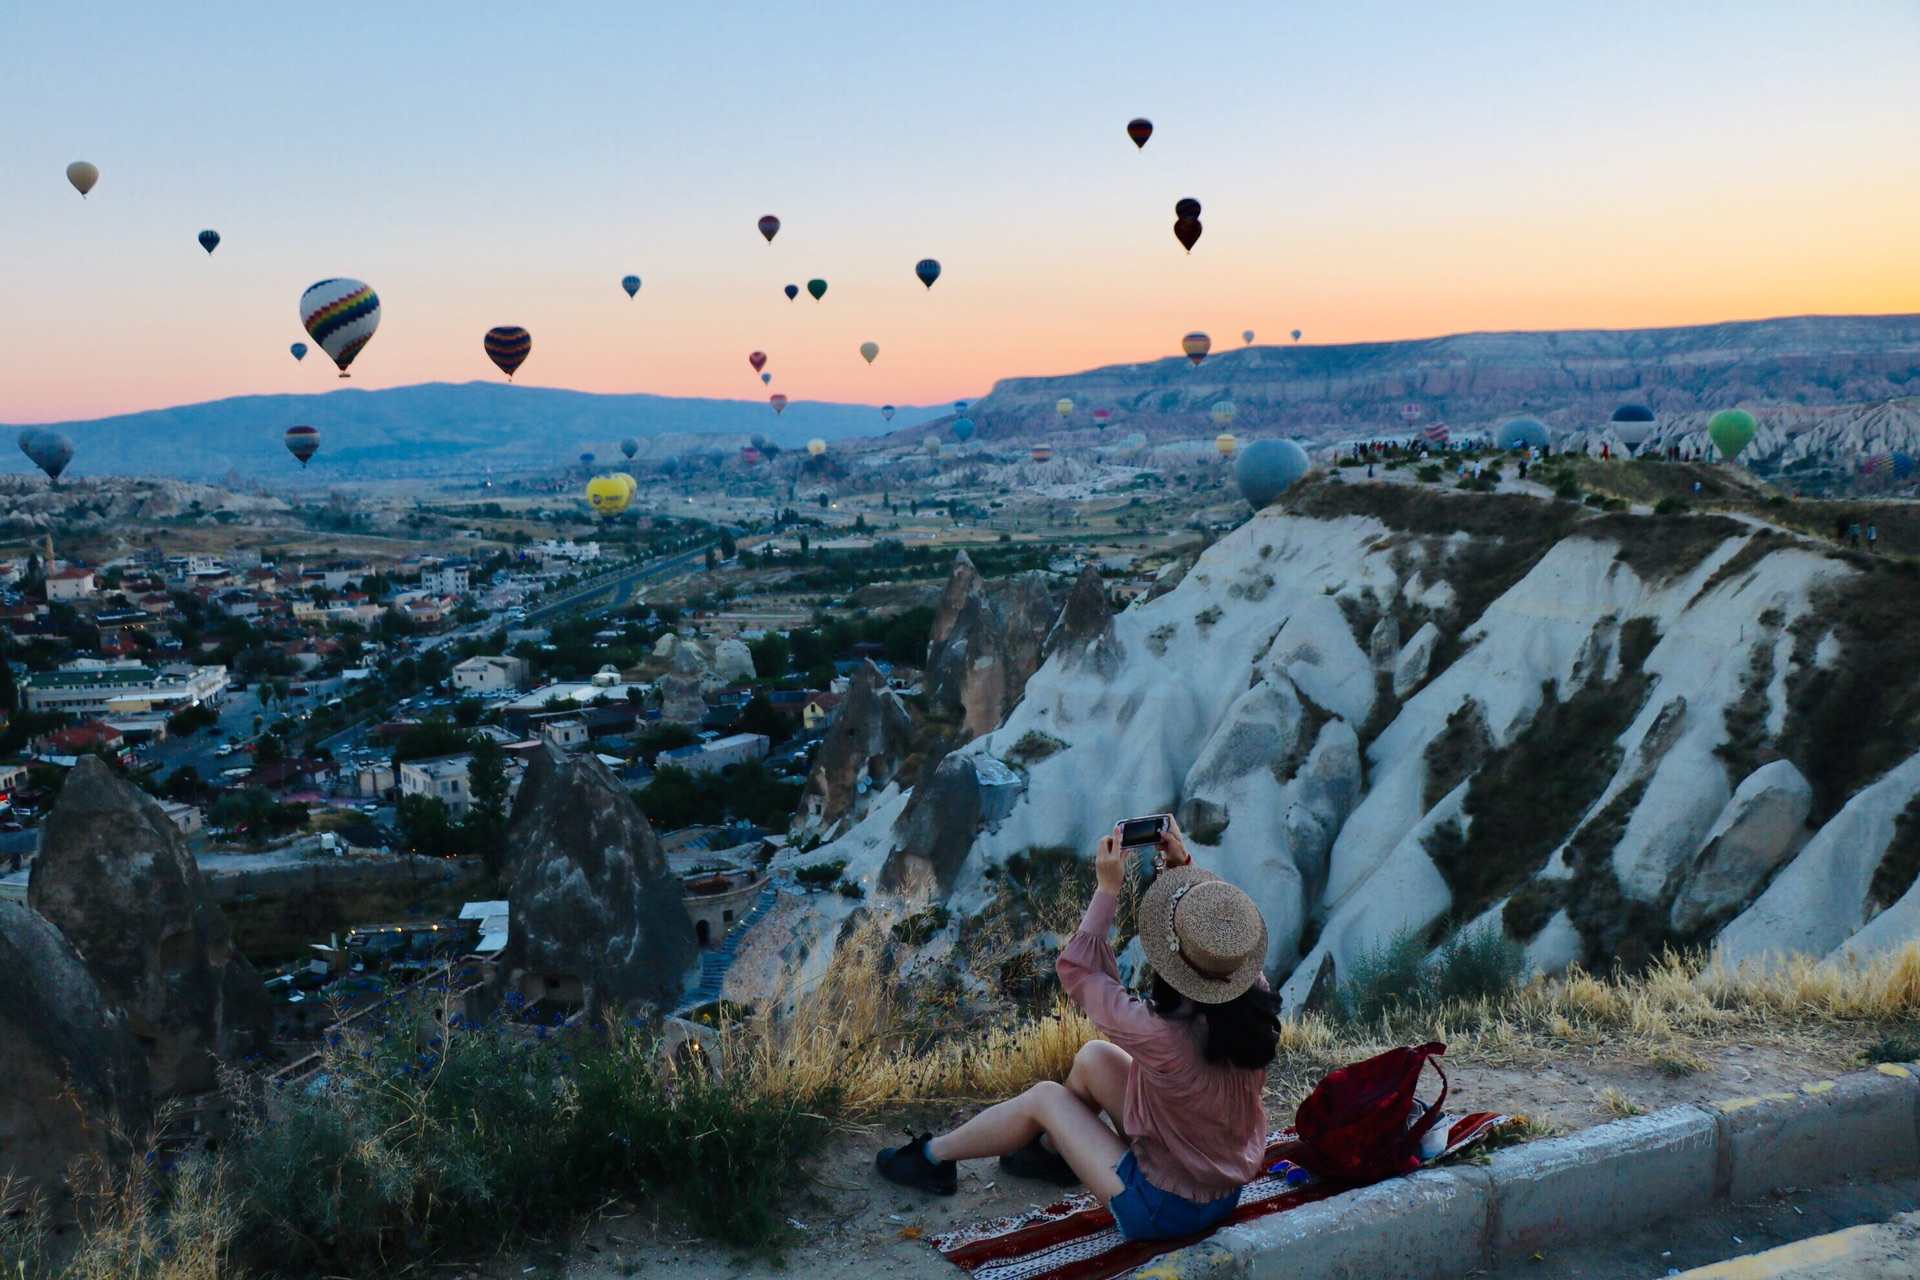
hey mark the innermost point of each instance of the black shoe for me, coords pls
(1036, 1162)
(909, 1166)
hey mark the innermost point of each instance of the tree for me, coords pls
(427, 826)
(486, 821)
(9, 695)
(467, 712)
(190, 719)
(728, 548)
(713, 560)
(431, 738)
(758, 716)
(770, 655)
(269, 750)
(183, 784)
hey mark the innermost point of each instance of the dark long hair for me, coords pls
(1245, 1031)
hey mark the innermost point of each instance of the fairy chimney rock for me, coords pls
(871, 735)
(596, 919)
(115, 876)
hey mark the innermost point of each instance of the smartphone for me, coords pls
(1142, 835)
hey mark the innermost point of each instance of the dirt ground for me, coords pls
(847, 1223)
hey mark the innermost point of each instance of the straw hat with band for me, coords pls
(1203, 935)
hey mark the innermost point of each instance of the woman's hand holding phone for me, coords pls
(1173, 845)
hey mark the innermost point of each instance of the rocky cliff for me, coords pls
(871, 737)
(115, 876)
(985, 642)
(1387, 709)
(1569, 378)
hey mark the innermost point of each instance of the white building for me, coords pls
(448, 580)
(91, 687)
(444, 778)
(70, 584)
(721, 753)
(577, 552)
(567, 733)
(484, 674)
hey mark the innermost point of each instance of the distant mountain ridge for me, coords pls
(435, 428)
(1571, 379)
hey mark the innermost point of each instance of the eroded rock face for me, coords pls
(1410, 665)
(732, 660)
(871, 735)
(681, 701)
(596, 920)
(1760, 828)
(115, 876)
(73, 1082)
(1083, 634)
(986, 641)
(936, 830)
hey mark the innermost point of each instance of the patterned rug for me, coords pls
(1075, 1239)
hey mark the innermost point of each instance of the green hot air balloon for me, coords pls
(1731, 431)
(818, 288)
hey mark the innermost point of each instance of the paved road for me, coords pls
(621, 588)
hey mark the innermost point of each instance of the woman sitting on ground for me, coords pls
(1179, 1074)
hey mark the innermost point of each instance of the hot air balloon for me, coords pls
(586, 459)
(1632, 423)
(1140, 129)
(1266, 469)
(1223, 444)
(1518, 433)
(303, 442)
(757, 440)
(868, 350)
(816, 446)
(1186, 208)
(1101, 417)
(631, 284)
(778, 401)
(1041, 453)
(766, 379)
(1063, 406)
(629, 447)
(1246, 337)
(507, 345)
(1411, 413)
(769, 227)
(50, 451)
(750, 454)
(1435, 433)
(209, 240)
(886, 411)
(792, 291)
(609, 495)
(299, 350)
(340, 315)
(1902, 464)
(1223, 413)
(1187, 232)
(1196, 345)
(1875, 463)
(758, 359)
(1296, 335)
(963, 429)
(1731, 430)
(82, 175)
(818, 288)
(959, 406)
(931, 445)
(928, 270)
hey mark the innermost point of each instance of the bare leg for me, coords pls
(1099, 1079)
(1076, 1131)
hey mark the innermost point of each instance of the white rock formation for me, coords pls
(1760, 828)
(1410, 664)
(732, 661)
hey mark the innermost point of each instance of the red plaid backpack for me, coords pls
(1362, 1123)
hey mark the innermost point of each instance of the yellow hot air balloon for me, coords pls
(1063, 406)
(816, 446)
(931, 444)
(609, 495)
(869, 350)
(1224, 443)
(1224, 413)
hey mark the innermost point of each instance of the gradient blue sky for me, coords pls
(1368, 171)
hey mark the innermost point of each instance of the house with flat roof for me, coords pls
(442, 778)
(490, 674)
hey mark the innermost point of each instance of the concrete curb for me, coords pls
(1610, 1179)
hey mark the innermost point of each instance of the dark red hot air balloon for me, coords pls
(1187, 232)
(1187, 208)
(507, 346)
(758, 360)
(1140, 129)
(769, 227)
(303, 442)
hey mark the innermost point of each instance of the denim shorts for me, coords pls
(1143, 1211)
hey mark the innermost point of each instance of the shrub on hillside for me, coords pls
(1399, 976)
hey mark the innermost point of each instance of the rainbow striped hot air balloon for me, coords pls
(303, 442)
(340, 315)
(508, 345)
(1435, 433)
(1042, 453)
(1196, 345)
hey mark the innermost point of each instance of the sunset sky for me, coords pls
(1368, 171)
